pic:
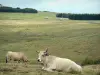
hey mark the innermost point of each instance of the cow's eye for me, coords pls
(43, 55)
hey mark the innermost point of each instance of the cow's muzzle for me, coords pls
(38, 60)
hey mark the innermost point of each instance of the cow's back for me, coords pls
(15, 55)
(62, 63)
(66, 64)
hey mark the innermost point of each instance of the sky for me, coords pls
(62, 6)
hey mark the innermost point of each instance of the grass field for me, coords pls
(28, 33)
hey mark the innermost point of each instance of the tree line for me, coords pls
(79, 16)
(10, 9)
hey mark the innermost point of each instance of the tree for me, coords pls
(79, 16)
(10, 9)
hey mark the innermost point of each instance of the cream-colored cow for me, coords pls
(53, 63)
(15, 56)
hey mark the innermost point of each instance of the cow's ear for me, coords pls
(37, 51)
(46, 50)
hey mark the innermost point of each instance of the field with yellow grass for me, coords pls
(73, 39)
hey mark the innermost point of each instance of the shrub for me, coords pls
(98, 73)
(89, 61)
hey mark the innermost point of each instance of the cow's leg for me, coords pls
(12, 62)
(26, 64)
(48, 69)
(68, 69)
(43, 67)
(18, 61)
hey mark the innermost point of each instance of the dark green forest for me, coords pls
(11, 9)
(79, 16)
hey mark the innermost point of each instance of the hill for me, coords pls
(73, 39)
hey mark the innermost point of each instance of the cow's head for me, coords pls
(42, 55)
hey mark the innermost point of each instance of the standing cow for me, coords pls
(15, 56)
(53, 63)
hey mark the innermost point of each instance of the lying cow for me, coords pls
(15, 56)
(53, 63)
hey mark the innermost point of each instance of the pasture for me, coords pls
(28, 33)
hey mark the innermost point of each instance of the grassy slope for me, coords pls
(30, 32)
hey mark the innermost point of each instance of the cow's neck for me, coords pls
(48, 59)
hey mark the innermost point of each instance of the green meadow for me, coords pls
(28, 33)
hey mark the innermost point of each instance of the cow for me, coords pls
(46, 18)
(53, 63)
(16, 56)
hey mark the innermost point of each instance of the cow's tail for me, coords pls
(6, 59)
